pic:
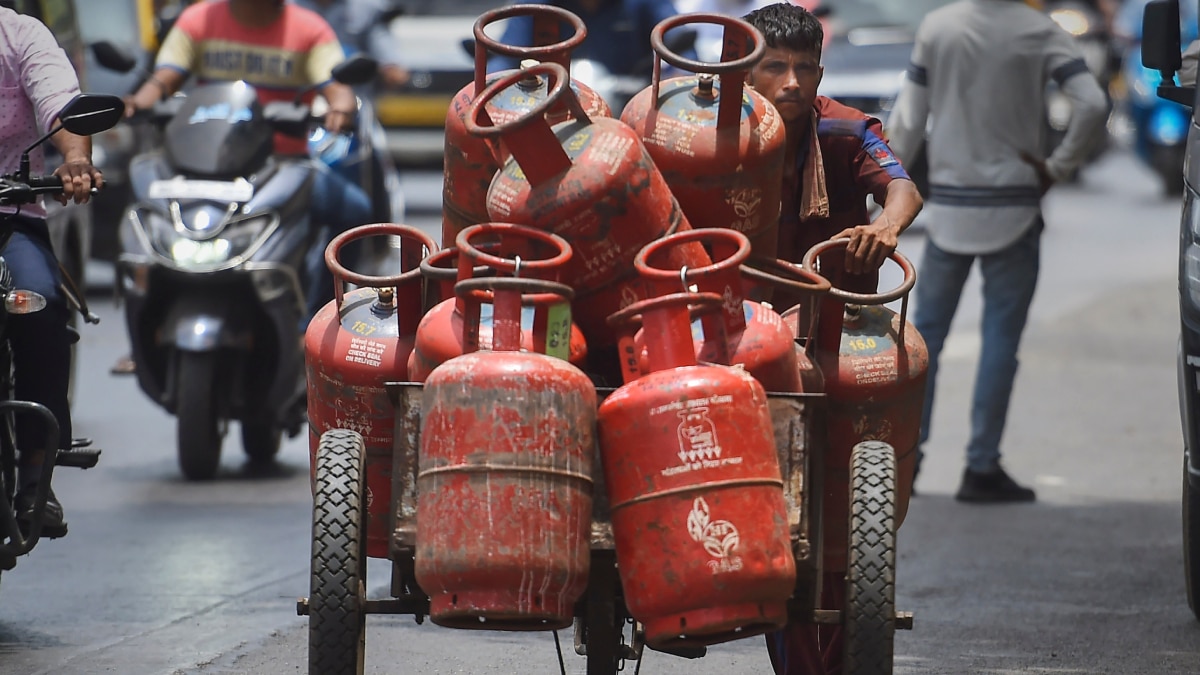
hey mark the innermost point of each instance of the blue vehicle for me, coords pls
(1160, 125)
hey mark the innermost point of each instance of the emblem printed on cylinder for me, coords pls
(699, 446)
(719, 537)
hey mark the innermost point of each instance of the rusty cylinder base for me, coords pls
(721, 624)
(493, 610)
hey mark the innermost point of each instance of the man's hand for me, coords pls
(393, 75)
(338, 121)
(869, 245)
(1045, 180)
(78, 177)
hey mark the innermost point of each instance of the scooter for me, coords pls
(85, 115)
(212, 268)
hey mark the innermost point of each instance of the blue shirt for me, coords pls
(618, 34)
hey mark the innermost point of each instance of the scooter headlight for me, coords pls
(238, 238)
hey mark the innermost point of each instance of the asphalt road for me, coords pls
(159, 576)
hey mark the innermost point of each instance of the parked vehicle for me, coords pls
(84, 115)
(1161, 51)
(1160, 126)
(212, 265)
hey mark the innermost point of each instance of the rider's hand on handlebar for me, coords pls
(78, 177)
(337, 121)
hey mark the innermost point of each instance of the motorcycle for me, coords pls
(85, 115)
(214, 263)
(1160, 126)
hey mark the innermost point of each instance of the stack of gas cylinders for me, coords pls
(585, 253)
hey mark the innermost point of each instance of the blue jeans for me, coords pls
(338, 204)
(1009, 278)
(41, 341)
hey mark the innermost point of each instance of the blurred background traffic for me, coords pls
(868, 43)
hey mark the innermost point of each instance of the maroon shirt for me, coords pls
(857, 162)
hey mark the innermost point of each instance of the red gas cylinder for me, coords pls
(875, 365)
(355, 344)
(719, 144)
(591, 181)
(755, 336)
(470, 163)
(698, 514)
(794, 281)
(546, 318)
(505, 482)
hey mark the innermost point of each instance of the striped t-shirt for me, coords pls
(296, 51)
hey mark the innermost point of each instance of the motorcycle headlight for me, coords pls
(238, 238)
(1073, 21)
(189, 253)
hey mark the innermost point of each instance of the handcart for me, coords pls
(604, 632)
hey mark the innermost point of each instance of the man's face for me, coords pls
(788, 79)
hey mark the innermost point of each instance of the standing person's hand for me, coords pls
(1045, 180)
(78, 177)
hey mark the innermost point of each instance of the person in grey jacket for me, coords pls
(977, 76)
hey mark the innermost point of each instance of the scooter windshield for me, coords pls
(219, 132)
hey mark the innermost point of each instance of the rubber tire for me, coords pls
(261, 441)
(337, 592)
(870, 616)
(1191, 543)
(199, 428)
(605, 626)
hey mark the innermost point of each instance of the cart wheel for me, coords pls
(870, 618)
(1191, 542)
(604, 622)
(336, 621)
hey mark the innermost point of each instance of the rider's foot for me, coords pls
(123, 366)
(53, 524)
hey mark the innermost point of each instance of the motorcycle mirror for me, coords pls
(357, 69)
(387, 15)
(468, 45)
(821, 11)
(113, 57)
(88, 114)
(84, 115)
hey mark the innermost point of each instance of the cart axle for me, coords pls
(904, 620)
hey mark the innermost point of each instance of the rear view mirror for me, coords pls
(1161, 49)
(357, 69)
(88, 114)
(113, 57)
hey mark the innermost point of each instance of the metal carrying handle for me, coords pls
(561, 79)
(718, 239)
(734, 60)
(901, 291)
(557, 52)
(506, 295)
(776, 272)
(535, 267)
(341, 275)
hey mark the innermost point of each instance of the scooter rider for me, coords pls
(36, 81)
(280, 49)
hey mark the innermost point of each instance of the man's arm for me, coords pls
(77, 173)
(906, 125)
(343, 106)
(1089, 108)
(870, 245)
(173, 64)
